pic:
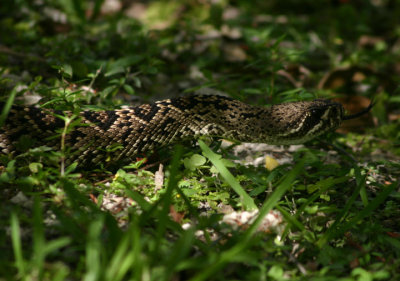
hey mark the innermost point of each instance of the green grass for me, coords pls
(341, 216)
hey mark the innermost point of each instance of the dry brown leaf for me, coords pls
(176, 216)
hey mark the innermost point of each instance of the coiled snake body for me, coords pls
(121, 134)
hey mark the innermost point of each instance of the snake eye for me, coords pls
(317, 112)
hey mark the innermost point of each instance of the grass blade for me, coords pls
(246, 200)
(335, 231)
(291, 219)
(7, 106)
(273, 199)
(93, 251)
(166, 199)
(138, 198)
(330, 232)
(38, 237)
(368, 209)
(16, 242)
(235, 250)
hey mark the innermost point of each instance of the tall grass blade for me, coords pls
(7, 106)
(166, 200)
(17, 245)
(93, 251)
(337, 230)
(230, 254)
(38, 238)
(246, 200)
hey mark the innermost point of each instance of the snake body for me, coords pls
(120, 135)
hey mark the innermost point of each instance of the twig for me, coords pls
(8, 51)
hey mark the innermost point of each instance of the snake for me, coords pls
(118, 136)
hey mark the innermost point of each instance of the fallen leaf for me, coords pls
(176, 216)
(270, 163)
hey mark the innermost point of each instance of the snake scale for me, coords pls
(120, 135)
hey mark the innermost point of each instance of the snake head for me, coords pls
(298, 122)
(321, 116)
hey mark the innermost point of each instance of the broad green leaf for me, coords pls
(195, 161)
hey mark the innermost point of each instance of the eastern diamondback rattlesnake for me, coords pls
(119, 135)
